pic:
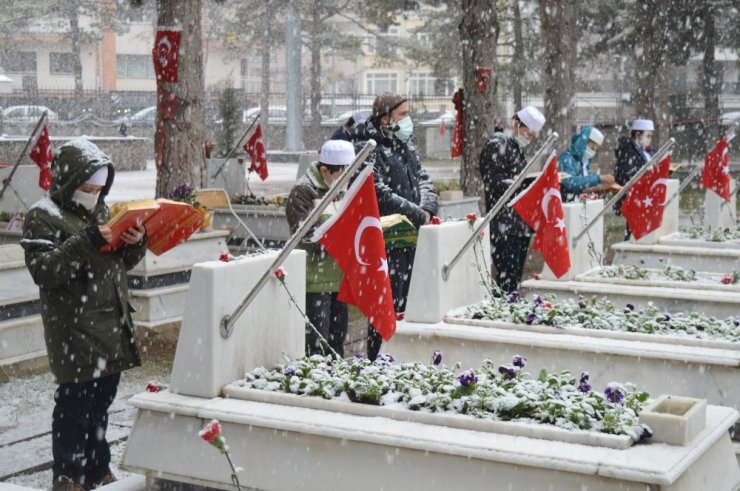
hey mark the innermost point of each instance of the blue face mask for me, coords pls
(405, 128)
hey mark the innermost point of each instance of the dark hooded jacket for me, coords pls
(84, 295)
(401, 184)
(629, 160)
(500, 162)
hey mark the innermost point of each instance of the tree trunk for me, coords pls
(315, 73)
(651, 31)
(558, 24)
(183, 159)
(517, 63)
(710, 77)
(74, 30)
(479, 31)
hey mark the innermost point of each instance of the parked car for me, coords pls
(27, 114)
(145, 117)
(447, 117)
(276, 114)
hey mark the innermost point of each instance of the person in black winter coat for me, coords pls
(402, 186)
(501, 160)
(346, 132)
(632, 153)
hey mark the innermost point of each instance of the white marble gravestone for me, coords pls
(718, 213)
(430, 296)
(270, 329)
(588, 251)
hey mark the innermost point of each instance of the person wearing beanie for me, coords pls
(84, 308)
(402, 186)
(631, 154)
(576, 162)
(501, 160)
(326, 313)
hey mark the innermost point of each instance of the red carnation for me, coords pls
(225, 256)
(436, 220)
(280, 274)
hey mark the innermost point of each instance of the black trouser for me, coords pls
(329, 317)
(400, 263)
(509, 252)
(78, 427)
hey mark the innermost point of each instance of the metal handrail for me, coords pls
(7, 180)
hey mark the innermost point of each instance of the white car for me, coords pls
(276, 114)
(27, 114)
(145, 117)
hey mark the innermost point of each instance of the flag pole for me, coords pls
(228, 321)
(662, 151)
(694, 172)
(499, 204)
(231, 152)
(6, 181)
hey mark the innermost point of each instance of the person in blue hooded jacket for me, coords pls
(576, 161)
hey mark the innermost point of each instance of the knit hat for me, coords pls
(385, 103)
(99, 178)
(532, 118)
(337, 152)
(643, 125)
(596, 136)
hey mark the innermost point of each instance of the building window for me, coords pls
(427, 84)
(19, 62)
(61, 63)
(134, 66)
(377, 83)
(370, 45)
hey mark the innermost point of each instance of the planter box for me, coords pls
(705, 281)
(268, 223)
(683, 240)
(285, 448)
(675, 420)
(700, 258)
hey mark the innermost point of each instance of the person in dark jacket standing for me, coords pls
(576, 162)
(501, 160)
(84, 308)
(323, 276)
(632, 153)
(402, 186)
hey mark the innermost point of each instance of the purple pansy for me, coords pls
(436, 357)
(613, 394)
(519, 361)
(514, 297)
(508, 372)
(467, 378)
(538, 301)
(667, 316)
(530, 319)
(628, 308)
(646, 433)
(386, 357)
(289, 372)
(584, 386)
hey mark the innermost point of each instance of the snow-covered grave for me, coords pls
(158, 284)
(669, 290)
(21, 330)
(285, 441)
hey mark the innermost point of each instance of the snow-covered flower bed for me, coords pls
(494, 392)
(709, 234)
(669, 273)
(599, 313)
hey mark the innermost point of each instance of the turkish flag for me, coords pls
(255, 148)
(541, 206)
(166, 54)
(457, 136)
(42, 154)
(354, 238)
(643, 206)
(716, 175)
(442, 129)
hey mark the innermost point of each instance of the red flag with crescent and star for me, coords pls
(457, 136)
(643, 206)
(166, 54)
(255, 148)
(354, 238)
(541, 207)
(716, 175)
(41, 153)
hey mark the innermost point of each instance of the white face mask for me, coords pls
(522, 141)
(86, 200)
(645, 141)
(589, 153)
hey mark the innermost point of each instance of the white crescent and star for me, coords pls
(658, 182)
(368, 222)
(164, 43)
(549, 194)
